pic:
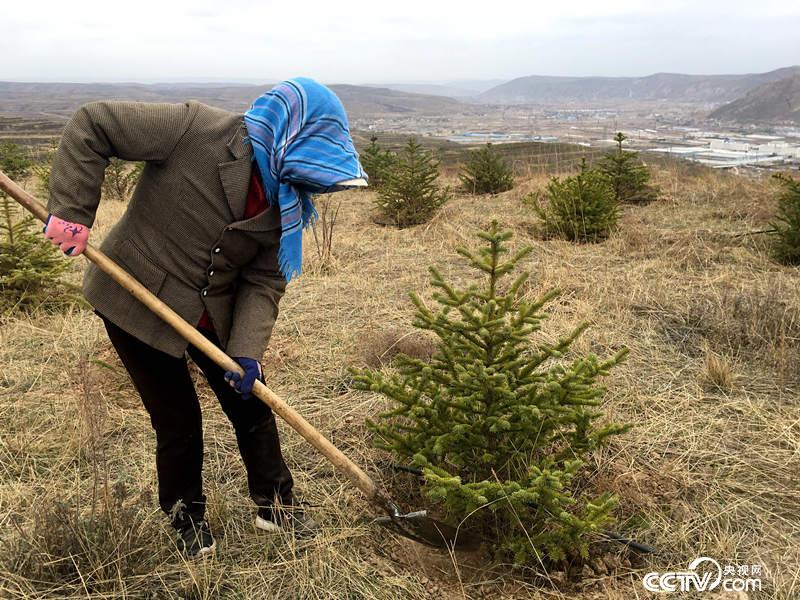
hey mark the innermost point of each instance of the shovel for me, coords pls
(416, 526)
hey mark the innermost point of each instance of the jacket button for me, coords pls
(211, 273)
(205, 292)
(217, 250)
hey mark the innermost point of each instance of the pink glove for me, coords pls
(70, 237)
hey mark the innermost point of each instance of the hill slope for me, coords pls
(61, 99)
(773, 102)
(710, 386)
(660, 86)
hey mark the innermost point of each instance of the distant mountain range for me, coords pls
(773, 102)
(661, 86)
(464, 88)
(771, 96)
(61, 99)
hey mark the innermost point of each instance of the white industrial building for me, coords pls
(725, 152)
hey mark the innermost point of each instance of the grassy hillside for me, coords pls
(774, 102)
(528, 159)
(711, 386)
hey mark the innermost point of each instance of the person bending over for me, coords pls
(214, 229)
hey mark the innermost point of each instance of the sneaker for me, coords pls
(289, 517)
(195, 539)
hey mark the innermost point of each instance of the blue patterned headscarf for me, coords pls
(301, 143)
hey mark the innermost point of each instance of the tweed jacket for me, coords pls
(183, 235)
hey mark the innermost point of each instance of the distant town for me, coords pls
(682, 131)
(681, 116)
(725, 150)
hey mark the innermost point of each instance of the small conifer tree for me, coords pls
(377, 162)
(120, 179)
(486, 172)
(501, 426)
(579, 208)
(410, 194)
(30, 271)
(787, 222)
(43, 166)
(629, 177)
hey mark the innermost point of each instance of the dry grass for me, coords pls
(719, 372)
(710, 468)
(381, 347)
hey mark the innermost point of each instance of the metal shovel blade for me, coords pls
(418, 526)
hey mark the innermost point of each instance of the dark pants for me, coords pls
(166, 389)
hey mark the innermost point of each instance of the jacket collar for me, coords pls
(239, 144)
(235, 177)
(235, 174)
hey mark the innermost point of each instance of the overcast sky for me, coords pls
(398, 41)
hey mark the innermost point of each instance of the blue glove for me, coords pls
(243, 384)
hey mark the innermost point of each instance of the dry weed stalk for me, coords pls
(323, 229)
(94, 413)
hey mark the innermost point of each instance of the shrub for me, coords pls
(501, 429)
(486, 172)
(787, 222)
(30, 271)
(120, 179)
(410, 194)
(629, 178)
(377, 162)
(580, 208)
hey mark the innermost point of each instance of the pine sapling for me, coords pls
(30, 270)
(410, 194)
(377, 162)
(629, 177)
(486, 172)
(42, 167)
(503, 424)
(787, 221)
(579, 208)
(120, 179)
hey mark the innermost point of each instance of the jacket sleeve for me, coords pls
(261, 286)
(101, 130)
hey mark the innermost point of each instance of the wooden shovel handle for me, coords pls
(359, 478)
